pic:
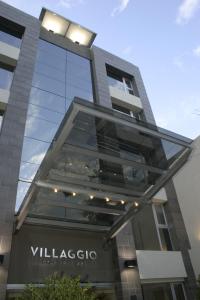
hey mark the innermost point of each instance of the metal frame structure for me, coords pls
(79, 105)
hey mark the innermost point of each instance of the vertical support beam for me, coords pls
(130, 281)
(12, 131)
(179, 237)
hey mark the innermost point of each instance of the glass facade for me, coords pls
(59, 76)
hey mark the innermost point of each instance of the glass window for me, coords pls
(157, 292)
(45, 114)
(73, 91)
(51, 49)
(179, 291)
(75, 71)
(160, 214)
(10, 33)
(40, 129)
(50, 72)
(80, 84)
(47, 100)
(49, 84)
(54, 61)
(75, 59)
(28, 171)
(21, 192)
(162, 227)
(166, 244)
(34, 150)
(6, 77)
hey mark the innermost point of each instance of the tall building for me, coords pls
(85, 173)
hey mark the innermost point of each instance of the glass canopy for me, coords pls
(101, 168)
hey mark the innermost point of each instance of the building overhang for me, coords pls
(66, 28)
(101, 168)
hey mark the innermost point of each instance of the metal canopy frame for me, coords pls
(79, 105)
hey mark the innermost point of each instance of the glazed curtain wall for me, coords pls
(59, 76)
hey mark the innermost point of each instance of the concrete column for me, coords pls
(12, 131)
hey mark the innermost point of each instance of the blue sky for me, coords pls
(161, 37)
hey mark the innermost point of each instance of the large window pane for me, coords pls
(49, 84)
(75, 71)
(160, 214)
(165, 239)
(33, 150)
(178, 288)
(45, 114)
(75, 59)
(21, 192)
(80, 84)
(6, 77)
(10, 39)
(50, 71)
(27, 171)
(40, 129)
(48, 100)
(52, 49)
(72, 92)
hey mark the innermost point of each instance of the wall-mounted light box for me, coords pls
(131, 264)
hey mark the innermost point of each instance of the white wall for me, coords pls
(160, 265)
(187, 184)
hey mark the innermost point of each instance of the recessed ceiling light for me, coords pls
(91, 196)
(122, 201)
(73, 194)
(136, 204)
(107, 199)
(55, 190)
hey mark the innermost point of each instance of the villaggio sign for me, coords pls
(63, 254)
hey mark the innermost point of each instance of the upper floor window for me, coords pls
(121, 81)
(162, 227)
(10, 32)
(127, 111)
(6, 76)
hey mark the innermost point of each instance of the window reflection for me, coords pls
(33, 150)
(6, 77)
(40, 129)
(47, 100)
(49, 84)
(21, 192)
(59, 77)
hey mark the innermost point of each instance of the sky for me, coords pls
(161, 37)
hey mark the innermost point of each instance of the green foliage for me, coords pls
(58, 288)
(198, 289)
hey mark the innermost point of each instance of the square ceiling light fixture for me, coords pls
(66, 28)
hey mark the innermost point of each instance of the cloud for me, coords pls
(187, 10)
(120, 8)
(70, 3)
(196, 51)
